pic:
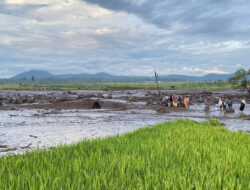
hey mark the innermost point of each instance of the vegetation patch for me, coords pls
(101, 85)
(173, 155)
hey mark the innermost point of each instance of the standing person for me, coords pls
(185, 102)
(220, 104)
(230, 104)
(179, 99)
(171, 100)
(242, 106)
(208, 103)
(175, 103)
(179, 104)
(131, 99)
(188, 101)
(164, 100)
(224, 106)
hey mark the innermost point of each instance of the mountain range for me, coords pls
(45, 74)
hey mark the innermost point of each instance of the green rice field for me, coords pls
(126, 86)
(173, 155)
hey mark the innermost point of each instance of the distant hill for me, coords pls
(202, 78)
(35, 73)
(85, 75)
(216, 76)
(44, 74)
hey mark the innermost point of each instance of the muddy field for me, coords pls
(31, 119)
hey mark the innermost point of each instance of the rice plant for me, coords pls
(173, 155)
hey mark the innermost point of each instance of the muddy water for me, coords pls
(26, 129)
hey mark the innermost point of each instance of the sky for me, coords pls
(124, 37)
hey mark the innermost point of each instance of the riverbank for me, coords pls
(173, 155)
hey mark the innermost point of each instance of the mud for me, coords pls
(78, 104)
(31, 119)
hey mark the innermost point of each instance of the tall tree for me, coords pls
(241, 80)
(33, 81)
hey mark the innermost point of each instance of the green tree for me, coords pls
(22, 81)
(33, 81)
(241, 80)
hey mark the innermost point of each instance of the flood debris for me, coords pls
(67, 116)
(33, 136)
(162, 109)
(110, 96)
(96, 105)
(100, 95)
(229, 110)
(3, 146)
(25, 147)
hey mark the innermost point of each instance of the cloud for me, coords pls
(215, 71)
(21, 2)
(125, 37)
(207, 17)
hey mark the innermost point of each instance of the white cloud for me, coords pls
(215, 71)
(203, 47)
(22, 2)
(73, 36)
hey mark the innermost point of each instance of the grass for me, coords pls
(173, 155)
(126, 86)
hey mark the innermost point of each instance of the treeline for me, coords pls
(55, 81)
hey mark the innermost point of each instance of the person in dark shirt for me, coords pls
(230, 104)
(242, 106)
(171, 99)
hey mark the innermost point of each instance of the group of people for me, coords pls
(175, 101)
(228, 104)
(225, 104)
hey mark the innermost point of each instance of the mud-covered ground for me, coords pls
(31, 119)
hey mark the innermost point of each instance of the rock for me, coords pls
(162, 110)
(100, 96)
(28, 146)
(19, 101)
(110, 96)
(96, 105)
(81, 96)
(149, 102)
(33, 136)
(229, 111)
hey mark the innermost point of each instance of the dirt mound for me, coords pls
(113, 105)
(164, 109)
(79, 104)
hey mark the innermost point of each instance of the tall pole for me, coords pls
(156, 79)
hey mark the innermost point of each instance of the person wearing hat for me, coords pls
(242, 106)
(220, 103)
(164, 100)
